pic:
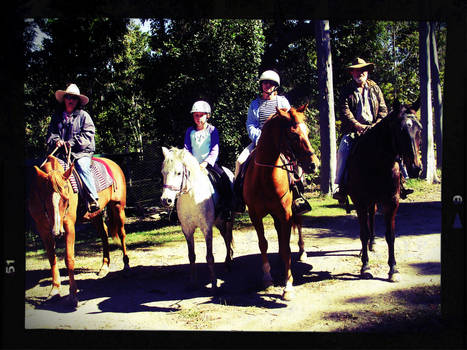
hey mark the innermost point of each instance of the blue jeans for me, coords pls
(342, 155)
(83, 166)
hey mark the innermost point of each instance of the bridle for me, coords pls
(183, 188)
(291, 165)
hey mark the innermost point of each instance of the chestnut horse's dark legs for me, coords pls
(390, 211)
(362, 213)
(371, 224)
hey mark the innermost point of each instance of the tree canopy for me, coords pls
(142, 84)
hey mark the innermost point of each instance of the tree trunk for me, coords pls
(326, 108)
(428, 158)
(437, 96)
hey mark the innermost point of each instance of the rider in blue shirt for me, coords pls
(202, 140)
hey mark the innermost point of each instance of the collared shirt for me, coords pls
(363, 112)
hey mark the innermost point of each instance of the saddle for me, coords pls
(291, 172)
(102, 175)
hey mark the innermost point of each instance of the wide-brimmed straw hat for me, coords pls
(72, 89)
(358, 63)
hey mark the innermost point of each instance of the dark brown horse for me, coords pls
(266, 188)
(374, 175)
(53, 206)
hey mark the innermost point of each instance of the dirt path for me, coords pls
(329, 295)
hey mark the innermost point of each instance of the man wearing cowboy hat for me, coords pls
(361, 106)
(72, 128)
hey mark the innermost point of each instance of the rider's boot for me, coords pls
(404, 192)
(340, 194)
(299, 205)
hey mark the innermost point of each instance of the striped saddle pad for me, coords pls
(99, 172)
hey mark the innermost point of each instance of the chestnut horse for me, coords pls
(266, 188)
(53, 206)
(374, 175)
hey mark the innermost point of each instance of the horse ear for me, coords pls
(282, 112)
(416, 105)
(68, 173)
(53, 162)
(396, 105)
(302, 108)
(40, 173)
(166, 152)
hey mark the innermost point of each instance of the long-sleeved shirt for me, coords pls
(77, 129)
(253, 123)
(203, 144)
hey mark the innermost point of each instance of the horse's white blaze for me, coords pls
(56, 213)
(409, 123)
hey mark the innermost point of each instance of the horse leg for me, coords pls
(263, 247)
(190, 241)
(69, 226)
(101, 228)
(225, 229)
(117, 223)
(283, 231)
(390, 220)
(364, 237)
(301, 243)
(210, 257)
(49, 244)
(371, 222)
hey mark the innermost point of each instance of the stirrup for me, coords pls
(404, 192)
(93, 207)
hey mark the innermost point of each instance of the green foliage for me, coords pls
(142, 85)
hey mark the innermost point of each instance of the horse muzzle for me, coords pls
(167, 202)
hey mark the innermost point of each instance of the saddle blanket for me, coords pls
(99, 172)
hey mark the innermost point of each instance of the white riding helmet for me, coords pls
(270, 75)
(201, 106)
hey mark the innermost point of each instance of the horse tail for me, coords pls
(113, 226)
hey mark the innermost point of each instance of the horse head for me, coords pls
(407, 137)
(175, 175)
(298, 145)
(54, 191)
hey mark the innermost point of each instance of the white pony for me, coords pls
(187, 182)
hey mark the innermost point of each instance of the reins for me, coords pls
(67, 151)
(183, 184)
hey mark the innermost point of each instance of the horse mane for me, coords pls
(183, 156)
(292, 115)
(57, 181)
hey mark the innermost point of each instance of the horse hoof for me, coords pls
(364, 274)
(72, 301)
(303, 257)
(394, 277)
(103, 271)
(287, 295)
(51, 298)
